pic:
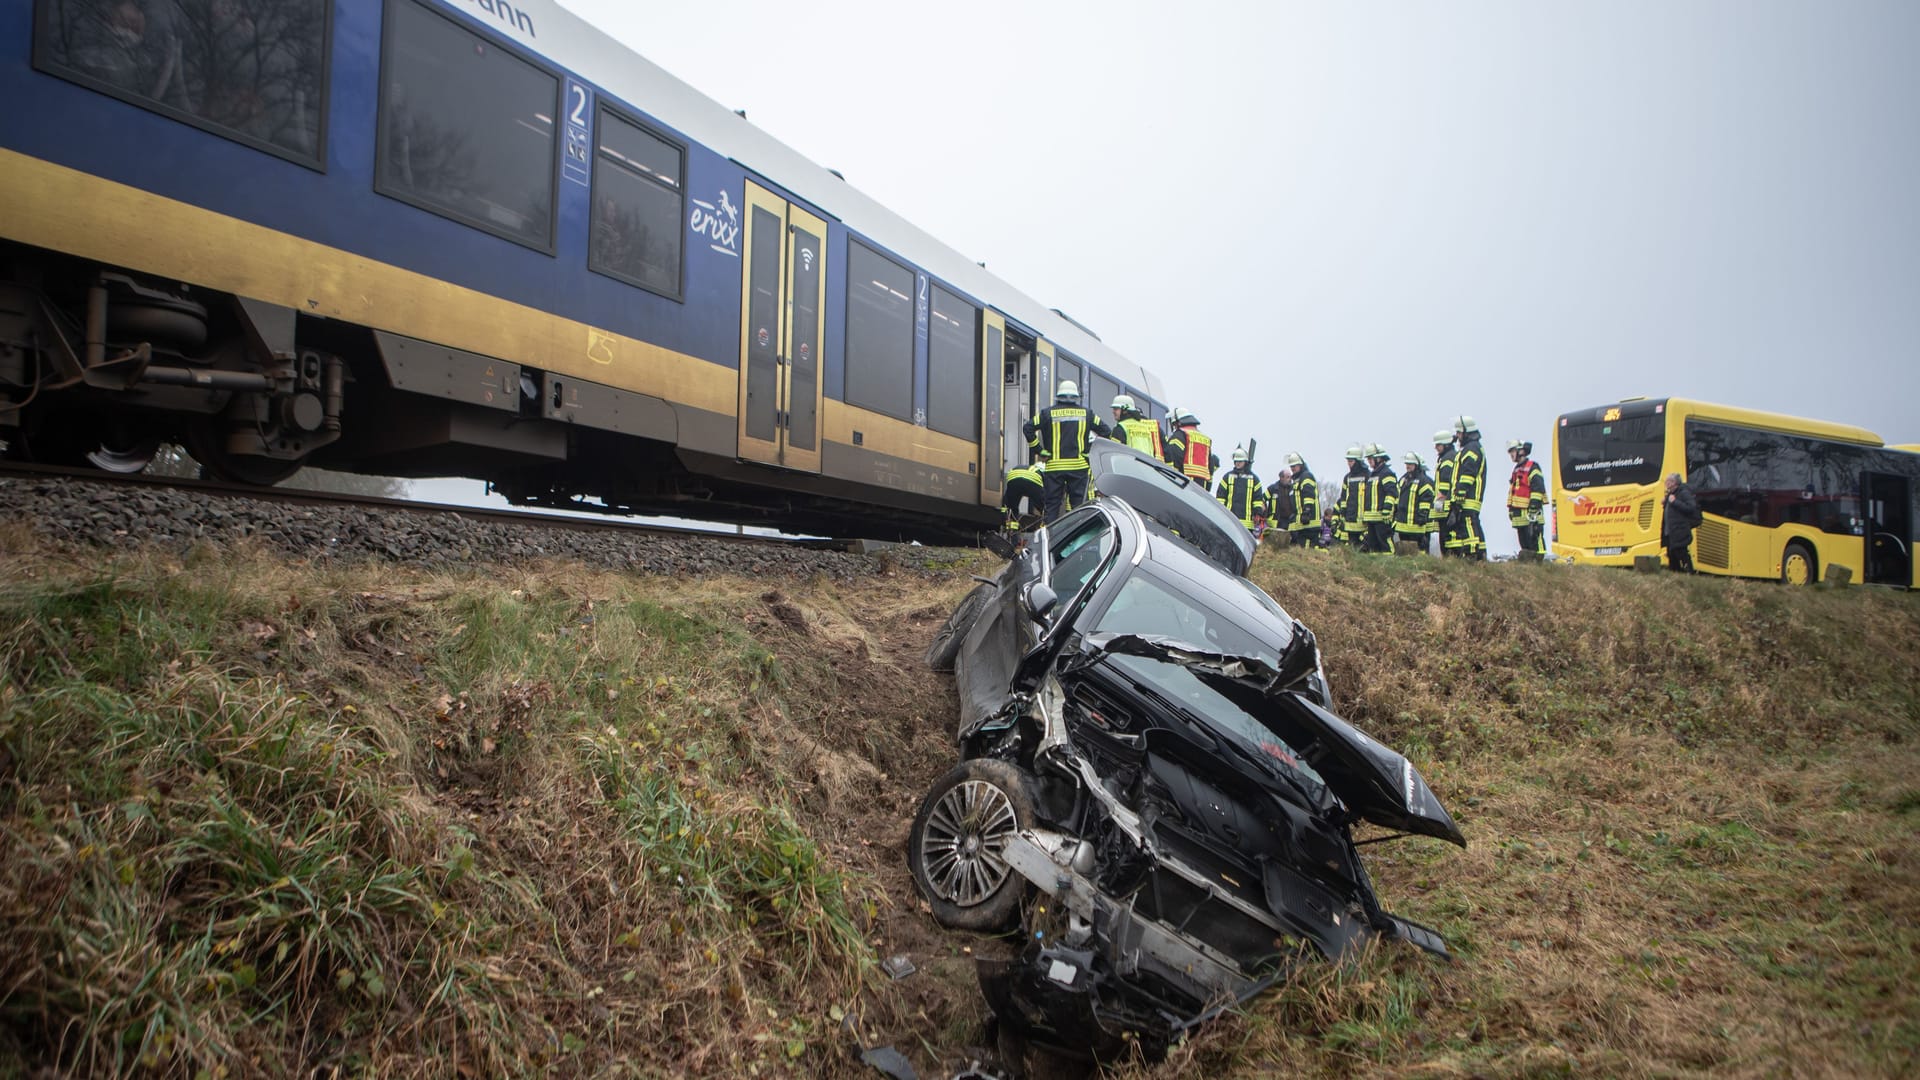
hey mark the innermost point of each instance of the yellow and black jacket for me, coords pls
(1061, 433)
(1414, 514)
(1242, 494)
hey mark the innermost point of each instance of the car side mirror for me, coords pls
(1040, 599)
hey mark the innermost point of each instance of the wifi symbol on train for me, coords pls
(806, 258)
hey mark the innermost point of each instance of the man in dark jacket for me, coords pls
(1678, 523)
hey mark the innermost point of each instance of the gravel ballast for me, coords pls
(120, 516)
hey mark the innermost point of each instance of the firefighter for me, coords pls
(1353, 494)
(1021, 497)
(1241, 493)
(1305, 527)
(1527, 500)
(1190, 451)
(1443, 462)
(1413, 520)
(1063, 430)
(1382, 496)
(1132, 427)
(1469, 487)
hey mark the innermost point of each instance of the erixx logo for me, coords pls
(1585, 509)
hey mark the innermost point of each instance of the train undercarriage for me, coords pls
(103, 367)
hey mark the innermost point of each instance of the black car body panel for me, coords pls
(1182, 504)
(1192, 794)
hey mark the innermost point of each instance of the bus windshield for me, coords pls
(1603, 453)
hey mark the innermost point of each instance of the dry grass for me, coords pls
(266, 819)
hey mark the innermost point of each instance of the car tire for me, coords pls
(946, 644)
(1797, 564)
(958, 836)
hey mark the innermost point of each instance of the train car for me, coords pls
(478, 238)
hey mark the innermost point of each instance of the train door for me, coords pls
(1889, 530)
(783, 294)
(1015, 393)
(993, 444)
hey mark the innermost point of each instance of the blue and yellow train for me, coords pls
(479, 238)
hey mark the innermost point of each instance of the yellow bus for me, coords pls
(1782, 497)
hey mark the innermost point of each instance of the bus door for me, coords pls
(783, 295)
(993, 377)
(1889, 513)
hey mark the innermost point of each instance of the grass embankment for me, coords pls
(261, 819)
(257, 819)
(1691, 804)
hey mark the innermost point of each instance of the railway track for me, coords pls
(291, 496)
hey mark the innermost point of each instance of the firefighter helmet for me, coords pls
(1124, 402)
(1068, 390)
(1442, 438)
(1412, 459)
(1465, 424)
(1239, 455)
(1185, 416)
(1295, 459)
(1375, 450)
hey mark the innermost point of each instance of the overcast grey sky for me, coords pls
(1323, 223)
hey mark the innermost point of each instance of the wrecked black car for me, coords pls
(1153, 789)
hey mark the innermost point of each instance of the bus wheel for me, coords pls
(1797, 564)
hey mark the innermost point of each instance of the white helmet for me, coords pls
(1185, 416)
(1239, 455)
(1412, 459)
(1442, 438)
(1513, 444)
(1464, 424)
(1355, 453)
(1375, 450)
(1068, 389)
(1124, 401)
(1295, 459)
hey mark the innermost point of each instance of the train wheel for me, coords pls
(1797, 565)
(207, 444)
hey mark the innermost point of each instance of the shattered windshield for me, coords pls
(1149, 608)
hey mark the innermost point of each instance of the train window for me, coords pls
(953, 365)
(254, 71)
(879, 333)
(637, 204)
(466, 127)
(1067, 369)
(1100, 392)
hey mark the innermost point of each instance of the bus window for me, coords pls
(1604, 453)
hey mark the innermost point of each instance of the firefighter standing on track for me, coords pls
(1443, 463)
(1063, 430)
(1382, 497)
(1132, 427)
(1527, 500)
(1190, 451)
(1469, 487)
(1305, 528)
(1413, 518)
(1353, 496)
(1241, 493)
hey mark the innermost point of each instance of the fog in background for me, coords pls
(1334, 222)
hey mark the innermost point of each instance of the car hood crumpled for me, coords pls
(1375, 782)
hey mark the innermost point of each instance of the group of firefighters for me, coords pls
(1372, 511)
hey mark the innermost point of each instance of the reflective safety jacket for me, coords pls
(1526, 494)
(1242, 494)
(1414, 514)
(1353, 499)
(1192, 451)
(1306, 502)
(1469, 475)
(1023, 482)
(1063, 432)
(1381, 495)
(1443, 480)
(1143, 435)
